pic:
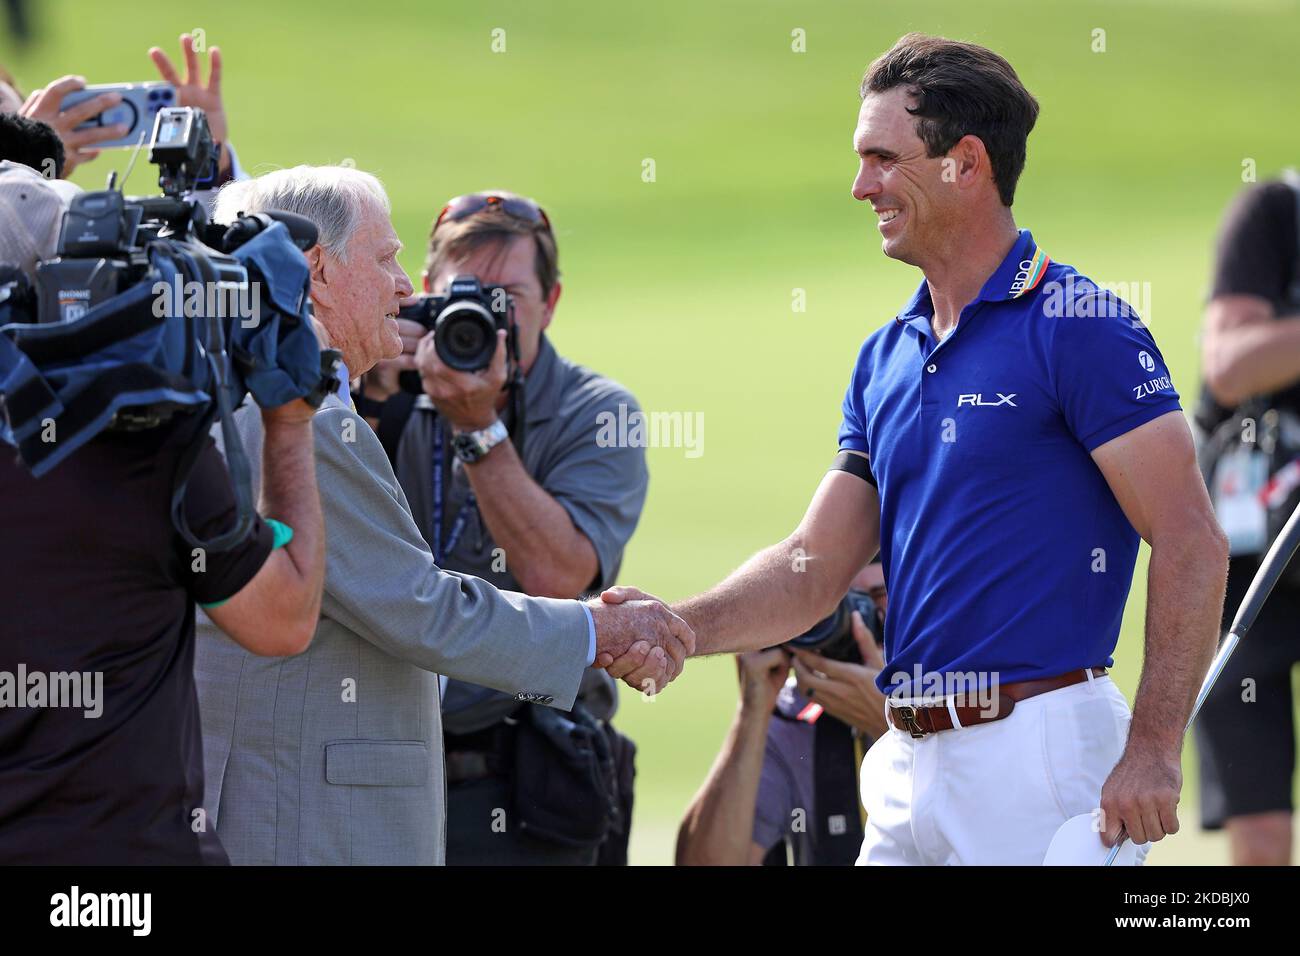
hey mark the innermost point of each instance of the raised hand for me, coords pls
(762, 675)
(639, 640)
(192, 91)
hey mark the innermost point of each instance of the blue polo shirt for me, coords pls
(1004, 550)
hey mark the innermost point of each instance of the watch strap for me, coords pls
(473, 446)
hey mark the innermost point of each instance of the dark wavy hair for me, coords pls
(960, 89)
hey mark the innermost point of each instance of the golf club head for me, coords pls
(1077, 843)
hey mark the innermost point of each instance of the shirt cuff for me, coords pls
(591, 634)
(345, 385)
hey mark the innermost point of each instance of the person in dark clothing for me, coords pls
(1250, 362)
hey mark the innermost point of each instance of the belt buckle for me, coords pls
(908, 715)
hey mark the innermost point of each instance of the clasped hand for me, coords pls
(639, 640)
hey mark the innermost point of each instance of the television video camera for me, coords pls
(105, 240)
(149, 310)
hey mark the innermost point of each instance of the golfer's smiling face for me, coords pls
(904, 186)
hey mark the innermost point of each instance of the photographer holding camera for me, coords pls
(784, 787)
(100, 747)
(499, 460)
(1249, 418)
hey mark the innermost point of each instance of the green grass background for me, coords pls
(681, 288)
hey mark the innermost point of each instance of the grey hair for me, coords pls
(333, 197)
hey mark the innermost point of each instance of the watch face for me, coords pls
(469, 448)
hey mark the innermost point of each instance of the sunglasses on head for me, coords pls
(462, 207)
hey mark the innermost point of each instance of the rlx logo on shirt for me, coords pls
(978, 399)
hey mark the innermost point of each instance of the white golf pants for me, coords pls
(995, 793)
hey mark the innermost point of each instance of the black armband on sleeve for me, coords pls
(854, 465)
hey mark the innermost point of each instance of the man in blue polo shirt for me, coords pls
(1007, 438)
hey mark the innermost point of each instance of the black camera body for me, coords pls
(464, 323)
(832, 636)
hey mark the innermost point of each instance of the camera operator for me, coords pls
(784, 787)
(100, 748)
(1249, 416)
(550, 519)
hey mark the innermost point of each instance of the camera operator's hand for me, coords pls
(43, 105)
(762, 675)
(194, 92)
(639, 640)
(847, 691)
(468, 400)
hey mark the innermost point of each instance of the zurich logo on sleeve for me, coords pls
(1152, 386)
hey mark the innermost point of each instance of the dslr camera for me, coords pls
(832, 636)
(464, 323)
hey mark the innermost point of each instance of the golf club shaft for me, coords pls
(1270, 570)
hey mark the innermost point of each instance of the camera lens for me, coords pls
(833, 635)
(465, 336)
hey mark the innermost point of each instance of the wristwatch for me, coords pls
(472, 446)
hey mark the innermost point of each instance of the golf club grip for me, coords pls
(1270, 569)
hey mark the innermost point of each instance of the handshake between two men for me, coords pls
(639, 640)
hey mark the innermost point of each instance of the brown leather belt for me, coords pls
(920, 720)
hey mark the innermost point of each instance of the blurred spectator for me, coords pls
(1249, 416)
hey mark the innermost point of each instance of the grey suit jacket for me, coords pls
(334, 756)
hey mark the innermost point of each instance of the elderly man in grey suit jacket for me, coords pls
(334, 756)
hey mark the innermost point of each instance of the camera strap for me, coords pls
(236, 457)
(837, 834)
(462, 514)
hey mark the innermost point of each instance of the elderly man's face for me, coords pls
(357, 300)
